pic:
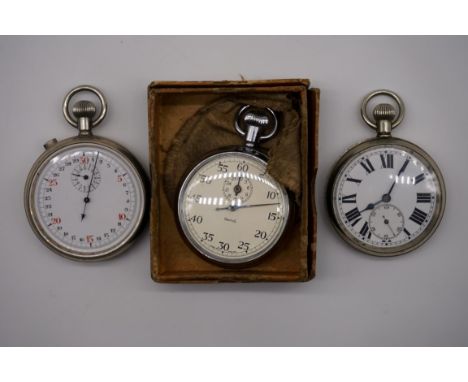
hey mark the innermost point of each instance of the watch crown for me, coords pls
(384, 111)
(84, 109)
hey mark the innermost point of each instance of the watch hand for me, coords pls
(371, 206)
(387, 222)
(86, 199)
(234, 207)
(403, 168)
(391, 189)
(237, 187)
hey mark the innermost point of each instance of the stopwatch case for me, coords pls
(170, 106)
(290, 207)
(52, 147)
(375, 143)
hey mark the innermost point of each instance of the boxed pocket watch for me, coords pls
(233, 168)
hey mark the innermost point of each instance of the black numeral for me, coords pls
(205, 179)
(418, 216)
(353, 215)
(272, 194)
(196, 219)
(387, 160)
(367, 165)
(222, 167)
(349, 199)
(196, 198)
(364, 230)
(207, 236)
(423, 197)
(242, 167)
(261, 234)
(272, 215)
(419, 178)
(224, 246)
(243, 246)
(354, 180)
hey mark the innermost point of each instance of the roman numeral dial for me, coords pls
(384, 198)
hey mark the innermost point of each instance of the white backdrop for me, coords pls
(355, 299)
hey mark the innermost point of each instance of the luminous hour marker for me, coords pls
(418, 216)
(419, 178)
(349, 199)
(423, 197)
(367, 165)
(387, 160)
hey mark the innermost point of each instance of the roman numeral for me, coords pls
(419, 178)
(423, 197)
(367, 165)
(387, 161)
(354, 180)
(418, 216)
(355, 222)
(349, 199)
(353, 215)
(364, 230)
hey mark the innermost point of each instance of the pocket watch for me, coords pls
(386, 196)
(230, 209)
(85, 197)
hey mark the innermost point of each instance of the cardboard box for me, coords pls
(170, 104)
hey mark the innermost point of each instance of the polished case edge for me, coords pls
(29, 196)
(402, 249)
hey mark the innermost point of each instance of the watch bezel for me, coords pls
(439, 208)
(30, 186)
(201, 251)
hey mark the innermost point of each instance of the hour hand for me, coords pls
(371, 206)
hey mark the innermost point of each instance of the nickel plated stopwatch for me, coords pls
(230, 209)
(386, 196)
(85, 197)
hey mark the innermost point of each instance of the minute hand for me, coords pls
(402, 169)
(234, 207)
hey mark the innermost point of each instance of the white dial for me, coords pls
(87, 200)
(386, 222)
(231, 210)
(386, 197)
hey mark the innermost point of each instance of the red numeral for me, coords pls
(89, 238)
(84, 160)
(56, 220)
(53, 182)
(122, 216)
(119, 178)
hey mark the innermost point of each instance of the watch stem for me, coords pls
(84, 111)
(384, 115)
(254, 121)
